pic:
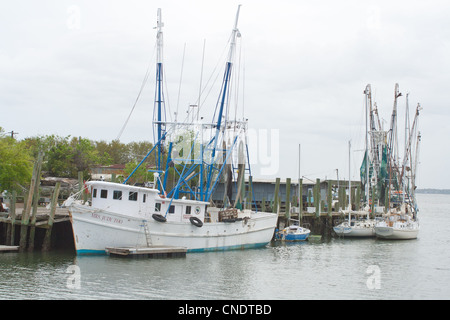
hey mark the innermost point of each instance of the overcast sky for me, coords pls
(76, 67)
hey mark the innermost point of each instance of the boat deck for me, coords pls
(148, 252)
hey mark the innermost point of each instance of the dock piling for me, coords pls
(47, 240)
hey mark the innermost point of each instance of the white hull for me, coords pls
(354, 232)
(95, 229)
(395, 233)
(360, 229)
(397, 226)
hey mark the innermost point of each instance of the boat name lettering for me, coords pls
(106, 218)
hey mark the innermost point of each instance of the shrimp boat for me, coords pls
(199, 156)
(401, 219)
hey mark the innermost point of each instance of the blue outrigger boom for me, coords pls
(203, 161)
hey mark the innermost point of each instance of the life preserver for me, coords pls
(86, 188)
(196, 221)
(159, 217)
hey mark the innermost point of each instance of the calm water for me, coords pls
(335, 269)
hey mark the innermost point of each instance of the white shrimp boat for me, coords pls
(127, 216)
(401, 220)
(181, 215)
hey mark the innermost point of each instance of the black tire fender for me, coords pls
(158, 217)
(196, 221)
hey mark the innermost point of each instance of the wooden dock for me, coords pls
(8, 248)
(148, 252)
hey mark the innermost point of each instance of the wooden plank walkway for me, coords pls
(42, 215)
(148, 252)
(8, 248)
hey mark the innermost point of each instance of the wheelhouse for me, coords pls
(143, 202)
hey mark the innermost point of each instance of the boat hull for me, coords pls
(94, 230)
(396, 234)
(293, 237)
(360, 229)
(354, 232)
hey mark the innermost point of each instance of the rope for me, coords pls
(138, 96)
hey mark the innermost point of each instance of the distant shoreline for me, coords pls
(433, 191)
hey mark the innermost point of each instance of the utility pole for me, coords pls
(13, 133)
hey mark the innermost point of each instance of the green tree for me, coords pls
(16, 163)
(138, 150)
(60, 160)
(84, 156)
(141, 175)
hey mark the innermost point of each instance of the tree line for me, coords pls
(63, 157)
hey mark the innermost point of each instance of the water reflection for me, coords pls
(330, 269)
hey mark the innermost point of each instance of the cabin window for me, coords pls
(144, 197)
(132, 196)
(94, 193)
(172, 209)
(157, 207)
(103, 193)
(117, 195)
(188, 209)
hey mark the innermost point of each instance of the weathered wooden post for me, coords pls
(33, 218)
(10, 232)
(48, 233)
(300, 200)
(288, 198)
(294, 200)
(329, 199)
(358, 197)
(317, 197)
(35, 203)
(317, 224)
(263, 204)
(276, 195)
(250, 193)
(342, 196)
(26, 212)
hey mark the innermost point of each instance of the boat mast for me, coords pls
(368, 94)
(223, 99)
(159, 96)
(226, 80)
(349, 184)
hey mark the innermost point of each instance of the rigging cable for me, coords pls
(138, 96)
(179, 87)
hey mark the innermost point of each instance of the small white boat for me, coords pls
(361, 225)
(293, 233)
(397, 225)
(356, 228)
